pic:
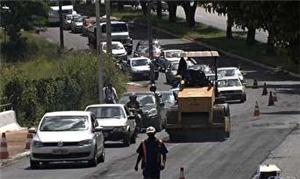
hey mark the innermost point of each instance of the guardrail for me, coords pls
(5, 107)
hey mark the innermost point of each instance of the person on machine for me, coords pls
(134, 107)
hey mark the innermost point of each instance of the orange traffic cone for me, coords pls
(28, 141)
(3, 148)
(181, 175)
(271, 99)
(274, 97)
(255, 85)
(256, 110)
(265, 91)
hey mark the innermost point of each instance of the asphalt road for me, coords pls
(251, 141)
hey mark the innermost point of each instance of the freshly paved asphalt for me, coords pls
(251, 141)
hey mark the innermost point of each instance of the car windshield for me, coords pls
(102, 112)
(143, 99)
(226, 72)
(173, 54)
(114, 46)
(168, 99)
(139, 62)
(78, 19)
(64, 123)
(229, 83)
(116, 28)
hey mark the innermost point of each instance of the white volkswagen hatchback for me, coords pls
(67, 136)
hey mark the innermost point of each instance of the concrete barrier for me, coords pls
(8, 121)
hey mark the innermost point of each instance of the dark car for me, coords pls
(164, 6)
(151, 109)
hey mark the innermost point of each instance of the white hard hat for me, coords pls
(150, 130)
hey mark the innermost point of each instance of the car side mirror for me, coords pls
(98, 129)
(32, 130)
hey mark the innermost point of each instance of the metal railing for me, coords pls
(5, 107)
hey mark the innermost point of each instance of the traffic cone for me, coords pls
(181, 175)
(28, 141)
(265, 91)
(271, 99)
(255, 85)
(3, 148)
(256, 110)
(274, 97)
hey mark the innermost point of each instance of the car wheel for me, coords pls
(34, 164)
(94, 161)
(126, 140)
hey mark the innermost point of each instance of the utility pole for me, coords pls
(108, 28)
(61, 31)
(150, 29)
(99, 52)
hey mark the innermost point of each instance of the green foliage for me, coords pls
(69, 83)
(19, 15)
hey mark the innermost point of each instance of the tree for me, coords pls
(19, 15)
(228, 8)
(189, 7)
(172, 5)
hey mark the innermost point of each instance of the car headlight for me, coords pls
(86, 142)
(37, 143)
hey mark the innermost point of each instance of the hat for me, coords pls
(150, 130)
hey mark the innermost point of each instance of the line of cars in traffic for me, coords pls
(80, 135)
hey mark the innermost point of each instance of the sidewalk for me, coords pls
(287, 156)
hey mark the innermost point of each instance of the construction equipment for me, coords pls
(199, 106)
(3, 147)
(265, 91)
(181, 175)
(271, 99)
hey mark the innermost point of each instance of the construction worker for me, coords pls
(182, 67)
(109, 94)
(150, 152)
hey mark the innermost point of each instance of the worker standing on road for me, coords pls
(110, 94)
(182, 67)
(152, 73)
(150, 152)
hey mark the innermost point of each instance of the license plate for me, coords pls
(60, 151)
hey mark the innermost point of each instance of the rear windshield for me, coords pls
(115, 28)
(102, 112)
(64, 123)
(229, 83)
(139, 62)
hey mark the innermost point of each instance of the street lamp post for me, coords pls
(99, 52)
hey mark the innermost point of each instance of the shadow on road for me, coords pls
(114, 145)
(281, 112)
(198, 137)
(63, 165)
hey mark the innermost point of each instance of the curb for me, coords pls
(225, 52)
(7, 162)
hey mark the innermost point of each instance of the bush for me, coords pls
(74, 89)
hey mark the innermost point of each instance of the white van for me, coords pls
(53, 17)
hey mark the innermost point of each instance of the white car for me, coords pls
(116, 123)
(232, 89)
(77, 24)
(230, 72)
(138, 67)
(67, 136)
(268, 171)
(117, 48)
(169, 56)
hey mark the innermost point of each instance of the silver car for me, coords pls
(67, 136)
